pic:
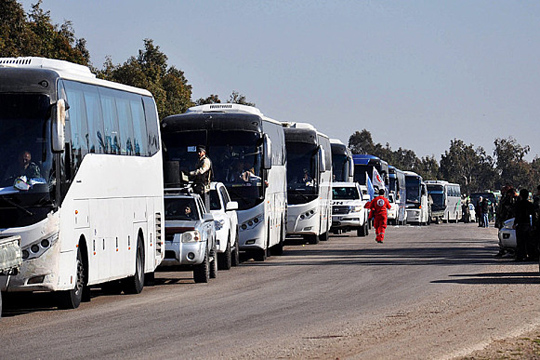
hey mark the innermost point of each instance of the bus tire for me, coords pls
(278, 248)
(312, 239)
(135, 283)
(201, 272)
(71, 299)
(225, 258)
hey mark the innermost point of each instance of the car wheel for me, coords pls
(213, 265)
(361, 231)
(201, 272)
(235, 259)
(225, 259)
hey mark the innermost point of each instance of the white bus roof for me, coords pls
(301, 125)
(225, 108)
(336, 141)
(66, 70)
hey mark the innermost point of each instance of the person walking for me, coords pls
(202, 176)
(379, 207)
(524, 211)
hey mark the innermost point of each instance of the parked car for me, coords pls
(226, 224)
(190, 235)
(392, 213)
(507, 236)
(348, 208)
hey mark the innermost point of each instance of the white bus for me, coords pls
(248, 155)
(342, 162)
(418, 207)
(446, 199)
(309, 177)
(89, 206)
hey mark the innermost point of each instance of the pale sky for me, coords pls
(416, 74)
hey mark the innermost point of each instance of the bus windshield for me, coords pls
(437, 195)
(301, 172)
(413, 189)
(236, 160)
(26, 159)
(340, 167)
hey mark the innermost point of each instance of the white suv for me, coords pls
(226, 224)
(348, 208)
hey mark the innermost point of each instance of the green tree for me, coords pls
(149, 70)
(37, 36)
(361, 142)
(212, 99)
(237, 98)
(510, 163)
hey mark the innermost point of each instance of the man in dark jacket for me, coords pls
(524, 210)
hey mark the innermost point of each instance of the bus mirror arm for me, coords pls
(58, 117)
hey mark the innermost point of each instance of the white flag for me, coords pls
(377, 179)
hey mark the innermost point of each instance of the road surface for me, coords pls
(427, 292)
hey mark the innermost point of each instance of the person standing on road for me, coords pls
(202, 176)
(524, 219)
(479, 212)
(379, 206)
(485, 211)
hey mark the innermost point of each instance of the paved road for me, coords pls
(427, 292)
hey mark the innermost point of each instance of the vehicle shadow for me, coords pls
(502, 278)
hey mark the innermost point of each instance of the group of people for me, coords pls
(526, 216)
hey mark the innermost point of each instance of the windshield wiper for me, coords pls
(17, 206)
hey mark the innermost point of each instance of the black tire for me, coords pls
(201, 272)
(260, 255)
(235, 259)
(71, 299)
(324, 236)
(312, 239)
(278, 249)
(225, 259)
(135, 283)
(214, 263)
(361, 231)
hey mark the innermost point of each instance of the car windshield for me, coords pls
(345, 193)
(181, 209)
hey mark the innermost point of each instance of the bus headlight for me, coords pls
(252, 223)
(191, 236)
(37, 248)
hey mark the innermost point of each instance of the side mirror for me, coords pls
(267, 152)
(232, 205)
(322, 162)
(208, 217)
(58, 116)
(351, 168)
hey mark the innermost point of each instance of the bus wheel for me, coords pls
(312, 239)
(135, 284)
(324, 237)
(71, 299)
(201, 272)
(278, 248)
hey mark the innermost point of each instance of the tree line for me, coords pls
(34, 34)
(471, 167)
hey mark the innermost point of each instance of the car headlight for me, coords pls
(191, 236)
(356, 208)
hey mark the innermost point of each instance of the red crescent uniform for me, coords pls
(379, 206)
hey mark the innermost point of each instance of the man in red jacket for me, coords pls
(379, 207)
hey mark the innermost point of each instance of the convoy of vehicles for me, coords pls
(248, 155)
(309, 175)
(446, 201)
(223, 209)
(79, 133)
(62, 230)
(348, 208)
(190, 235)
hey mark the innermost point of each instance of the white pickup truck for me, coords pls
(10, 261)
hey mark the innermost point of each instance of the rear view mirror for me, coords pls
(58, 117)
(322, 162)
(267, 152)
